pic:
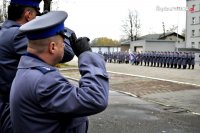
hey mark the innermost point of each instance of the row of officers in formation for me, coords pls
(153, 58)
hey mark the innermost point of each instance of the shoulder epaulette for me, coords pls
(44, 69)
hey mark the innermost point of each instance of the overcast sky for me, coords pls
(103, 18)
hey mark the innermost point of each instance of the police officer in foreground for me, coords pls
(41, 99)
(13, 44)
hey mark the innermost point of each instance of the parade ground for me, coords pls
(167, 86)
(147, 100)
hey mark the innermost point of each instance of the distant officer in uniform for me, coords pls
(105, 55)
(99, 52)
(114, 56)
(171, 59)
(148, 58)
(155, 58)
(151, 58)
(126, 57)
(13, 45)
(191, 61)
(175, 61)
(167, 59)
(184, 60)
(180, 59)
(41, 99)
(161, 59)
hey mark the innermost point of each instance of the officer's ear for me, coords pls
(29, 14)
(52, 47)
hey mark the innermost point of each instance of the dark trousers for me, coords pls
(175, 65)
(5, 121)
(192, 66)
(167, 65)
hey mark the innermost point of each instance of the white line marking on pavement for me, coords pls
(178, 82)
(195, 113)
(127, 93)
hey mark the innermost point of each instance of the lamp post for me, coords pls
(177, 39)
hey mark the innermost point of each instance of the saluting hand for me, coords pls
(80, 45)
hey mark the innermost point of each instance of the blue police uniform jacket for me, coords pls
(43, 101)
(13, 45)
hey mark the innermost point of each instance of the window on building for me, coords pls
(199, 19)
(193, 20)
(199, 32)
(193, 33)
(199, 45)
(193, 44)
(198, 7)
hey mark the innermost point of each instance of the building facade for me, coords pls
(193, 24)
(170, 41)
(152, 45)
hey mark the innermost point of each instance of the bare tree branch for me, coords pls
(131, 26)
(47, 5)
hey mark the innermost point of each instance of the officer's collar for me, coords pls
(10, 23)
(34, 56)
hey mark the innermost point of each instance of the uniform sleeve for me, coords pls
(20, 42)
(68, 52)
(57, 95)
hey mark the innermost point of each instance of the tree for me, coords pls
(47, 5)
(1, 17)
(131, 26)
(104, 41)
(183, 32)
(173, 28)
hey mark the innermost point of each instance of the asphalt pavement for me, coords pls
(126, 114)
(187, 99)
(153, 113)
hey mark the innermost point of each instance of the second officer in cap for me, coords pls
(42, 100)
(12, 45)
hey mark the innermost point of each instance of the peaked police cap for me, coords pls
(45, 26)
(31, 3)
